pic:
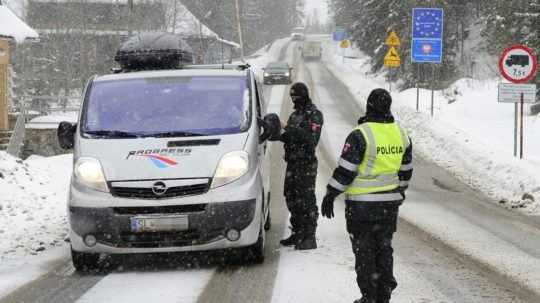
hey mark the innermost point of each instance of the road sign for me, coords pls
(427, 35)
(511, 93)
(392, 58)
(392, 39)
(345, 44)
(339, 35)
(518, 64)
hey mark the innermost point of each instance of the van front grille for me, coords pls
(158, 239)
(148, 193)
(172, 209)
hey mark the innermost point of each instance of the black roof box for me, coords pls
(153, 51)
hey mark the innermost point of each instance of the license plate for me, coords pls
(161, 223)
(276, 77)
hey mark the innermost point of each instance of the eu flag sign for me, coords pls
(427, 35)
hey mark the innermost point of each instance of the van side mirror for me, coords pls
(271, 126)
(66, 134)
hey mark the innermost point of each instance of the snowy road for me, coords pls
(447, 241)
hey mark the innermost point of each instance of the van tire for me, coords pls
(255, 253)
(85, 262)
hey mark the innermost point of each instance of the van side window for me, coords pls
(258, 103)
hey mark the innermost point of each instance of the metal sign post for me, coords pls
(427, 42)
(516, 119)
(344, 44)
(392, 59)
(518, 64)
(521, 129)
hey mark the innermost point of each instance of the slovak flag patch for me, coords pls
(315, 127)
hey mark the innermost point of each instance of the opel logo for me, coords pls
(159, 188)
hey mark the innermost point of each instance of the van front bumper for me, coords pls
(206, 229)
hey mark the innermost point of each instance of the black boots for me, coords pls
(291, 240)
(365, 300)
(307, 242)
(300, 241)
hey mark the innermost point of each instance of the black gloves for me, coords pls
(327, 207)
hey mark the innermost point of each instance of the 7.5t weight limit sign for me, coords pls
(518, 64)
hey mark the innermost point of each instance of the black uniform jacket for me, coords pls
(301, 135)
(351, 156)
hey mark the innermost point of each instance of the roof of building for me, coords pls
(13, 27)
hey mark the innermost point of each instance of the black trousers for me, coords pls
(299, 191)
(372, 247)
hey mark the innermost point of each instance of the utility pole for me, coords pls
(239, 30)
(130, 11)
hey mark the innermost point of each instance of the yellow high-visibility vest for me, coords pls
(378, 171)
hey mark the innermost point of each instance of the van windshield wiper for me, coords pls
(113, 133)
(173, 134)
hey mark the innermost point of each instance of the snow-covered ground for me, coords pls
(32, 215)
(471, 135)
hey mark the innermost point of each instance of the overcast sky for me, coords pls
(319, 5)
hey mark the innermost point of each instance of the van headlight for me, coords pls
(266, 74)
(287, 74)
(89, 173)
(231, 167)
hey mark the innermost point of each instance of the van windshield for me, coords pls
(167, 107)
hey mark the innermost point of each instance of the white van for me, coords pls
(168, 161)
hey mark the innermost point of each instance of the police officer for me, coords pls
(374, 171)
(300, 137)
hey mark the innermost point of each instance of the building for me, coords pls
(13, 31)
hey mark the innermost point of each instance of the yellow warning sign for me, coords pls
(344, 44)
(392, 58)
(392, 39)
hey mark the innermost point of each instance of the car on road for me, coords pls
(168, 160)
(298, 34)
(277, 73)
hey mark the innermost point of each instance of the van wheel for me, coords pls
(255, 253)
(85, 262)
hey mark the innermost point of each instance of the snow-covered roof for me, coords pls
(13, 27)
(187, 23)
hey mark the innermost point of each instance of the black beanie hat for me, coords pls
(299, 89)
(378, 103)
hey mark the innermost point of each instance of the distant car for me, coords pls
(298, 34)
(298, 37)
(277, 72)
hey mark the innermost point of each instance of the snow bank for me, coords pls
(12, 26)
(32, 204)
(470, 135)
